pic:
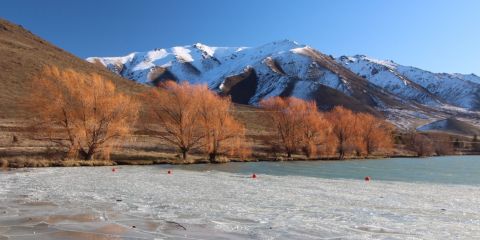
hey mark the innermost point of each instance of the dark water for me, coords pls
(449, 169)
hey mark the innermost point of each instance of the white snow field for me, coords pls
(212, 65)
(137, 202)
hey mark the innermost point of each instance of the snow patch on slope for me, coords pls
(437, 125)
(287, 68)
(432, 89)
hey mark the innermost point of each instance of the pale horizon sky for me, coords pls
(439, 36)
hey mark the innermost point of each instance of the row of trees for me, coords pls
(437, 143)
(88, 117)
(85, 115)
(299, 126)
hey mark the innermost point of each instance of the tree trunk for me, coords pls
(369, 149)
(212, 156)
(86, 155)
(184, 154)
(289, 154)
(89, 156)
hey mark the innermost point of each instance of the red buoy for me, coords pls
(113, 169)
(169, 172)
(254, 175)
(368, 178)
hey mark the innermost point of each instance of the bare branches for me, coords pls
(191, 116)
(223, 135)
(298, 124)
(359, 133)
(81, 112)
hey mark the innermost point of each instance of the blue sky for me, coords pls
(437, 35)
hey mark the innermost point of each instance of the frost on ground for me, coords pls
(147, 203)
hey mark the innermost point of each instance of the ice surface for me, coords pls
(93, 202)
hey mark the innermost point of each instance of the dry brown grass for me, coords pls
(29, 162)
(23, 56)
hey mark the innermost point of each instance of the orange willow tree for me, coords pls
(298, 124)
(346, 128)
(375, 134)
(359, 132)
(223, 135)
(175, 109)
(191, 116)
(316, 130)
(81, 112)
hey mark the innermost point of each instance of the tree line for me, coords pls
(86, 116)
(431, 144)
(300, 127)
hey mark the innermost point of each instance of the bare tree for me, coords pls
(80, 112)
(375, 133)
(314, 129)
(345, 128)
(443, 145)
(223, 135)
(423, 145)
(192, 116)
(286, 121)
(174, 107)
(298, 124)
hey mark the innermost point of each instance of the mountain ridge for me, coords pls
(461, 90)
(164, 63)
(279, 66)
(287, 68)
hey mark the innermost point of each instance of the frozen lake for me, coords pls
(144, 202)
(448, 169)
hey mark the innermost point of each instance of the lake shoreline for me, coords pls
(40, 163)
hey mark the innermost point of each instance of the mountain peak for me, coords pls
(287, 68)
(279, 45)
(361, 57)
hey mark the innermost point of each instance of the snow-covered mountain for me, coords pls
(249, 75)
(416, 84)
(286, 68)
